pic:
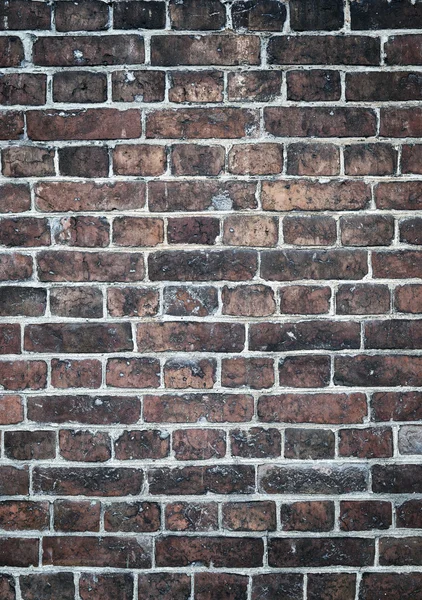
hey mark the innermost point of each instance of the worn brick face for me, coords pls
(210, 299)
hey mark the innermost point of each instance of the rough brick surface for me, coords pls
(210, 299)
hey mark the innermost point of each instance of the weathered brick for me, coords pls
(324, 50)
(377, 15)
(7, 587)
(191, 516)
(190, 337)
(378, 370)
(11, 50)
(19, 14)
(82, 15)
(408, 298)
(190, 300)
(76, 302)
(82, 86)
(403, 50)
(133, 372)
(290, 265)
(397, 265)
(307, 516)
(307, 300)
(25, 232)
(313, 159)
(48, 586)
(168, 586)
(60, 265)
(256, 159)
(83, 161)
(194, 480)
(15, 267)
(309, 444)
(19, 552)
(137, 14)
(132, 302)
(107, 586)
(249, 516)
(213, 586)
(401, 122)
(138, 86)
(259, 15)
(88, 410)
(370, 159)
(309, 231)
(307, 15)
(197, 14)
(331, 586)
(250, 231)
(11, 410)
(23, 375)
(86, 232)
(338, 479)
(137, 231)
(409, 514)
(84, 446)
(400, 551)
(368, 230)
(11, 125)
(145, 160)
(193, 230)
(410, 440)
(24, 515)
(257, 86)
(364, 515)
(362, 299)
(27, 161)
(202, 123)
(139, 445)
(255, 373)
(194, 159)
(89, 551)
(381, 86)
(14, 481)
(255, 442)
(320, 552)
(275, 586)
(79, 51)
(394, 333)
(396, 406)
(224, 50)
(390, 584)
(313, 86)
(89, 481)
(14, 198)
(190, 408)
(84, 124)
(397, 479)
(252, 300)
(287, 195)
(136, 517)
(366, 443)
(30, 445)
(199, 444)
(304, 371)
(201, 86)
(190, 373)
(410, 231)
(78, 337)
(72, 515)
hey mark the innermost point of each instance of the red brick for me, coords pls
(227, 50)
(411, 159)
(331, 586)
(364, 515)
(140, 445)
(78, 337)
(135, 231)
(7, 587)
(197, 14)
(400, 551)
(48, 585)
(24, 232)
(84, 551)
(15, 267)
(90, 481)
(249, 516)
(190, 408)
(397, 265)
(396, 406)
(11, 125)
(77, 302)
(255, 442)
(410, 231)
(321, 408)
(256, 159)
(307, 300)
(83, 51)
(370, 159)
(366, 443)
(362, 299)
(24, 515)
(81, 515)
(87, 232)
(171, 196)
(322, 50)
(313, 159)
(368, 230)
(319, 122)
(27, 161)
(136, 517)
(11, 410)
(190, 516)
(82, 15)
(251, 300)
(307, 516)
(22, 88)
(19, 552)
(255, 373)
(193, 230)
(60, 265)
(146, 160)
(166, 586)
(23, 375)
(401, 122)
(286, 195)
(14, 198)
(109, 586)
(10, 342)
(250, 231)
(84, 446)
(257, 86)
(309, 231)
(194, 159)
(313, 86)
(201, 86)
(132, 302)
(79, 87)
(84, 124)
(19, 14)
(397, 479)
(231, 552)
(138, 86)
(304, 371)
(11, 50)
(199, 444)
(14, 481)
(30, 445)
(408, 298)
(89, 410)
(190, 373)
(133, 372)
(394, 333)
(69, 196)
(184, 301)
(409, 514)
(190, 337)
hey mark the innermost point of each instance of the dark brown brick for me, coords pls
(225, 479)
(276, 586)
(326, 15)
(307, 300)
(364, 515)
(411, 159)
(27, 161)
(81, 515)
(197, 14)
(146, 160)
(255, 373)
(136, 517)
(304, 371)
(315, 479)
(82, 86)
(166, 586)
(394, 333)
(362, 299)
(331, 586)
(193, 230)
(11, 49)
(199, 444)
(320, 552)
(20, 14)
(190, 337)
(109, 586)
(201, 86)
(368, 230)
(77, 337)
(224, 50)
(15, 267)
(137, 86)
(184, 301)
(249, 516)
(309, 444)
(370, 159)
(81, 51)
(139, 445)
(10, 339)
(214, 586)
(252, 300)
(76, 302)
(396, 406)
(133, 372)
(14, 198)
(89, 481)
(408, 298)
(19, 552)
(409, 514)
(24, 515)
(401, 122)
(313, 86)
(30, 445)
(366, 443)
(138, 231)
(255, 442)
(23, 375)
(137, 14)
(132, 302)
(378, 370)
(14, 481)
(307, 516)
(390, 584)
(194, 159)
(256, 86)
(259, 15)
(374, 14)
(190, 373)
(84, 446)
(82, 15)
(192, 516)
(25, 232)
(48, 586)
(403, 50)
(397, 265)
(397, 479)
(313, 159)
(290, 265)
(11, 125)
(410, 231)
(7, 587)
(400, 551)
(309, 231)
(60, 265)
(381, 86)
(190, 408)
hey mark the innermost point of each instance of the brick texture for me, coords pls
(210, 299)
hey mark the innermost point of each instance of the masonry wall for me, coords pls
(211, 377)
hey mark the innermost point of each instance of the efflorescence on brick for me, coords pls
(210, 299)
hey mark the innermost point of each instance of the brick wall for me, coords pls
(211, 377)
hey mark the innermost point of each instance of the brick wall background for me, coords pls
(211, 288)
